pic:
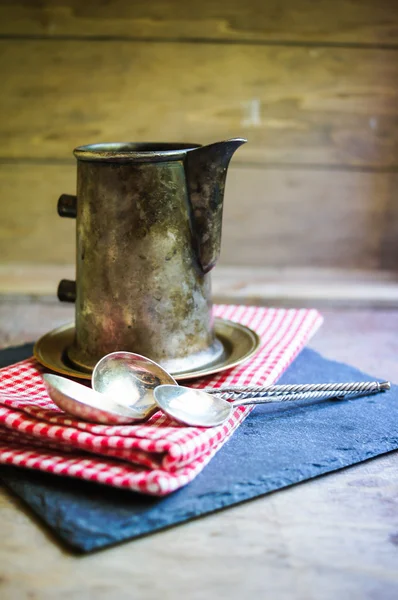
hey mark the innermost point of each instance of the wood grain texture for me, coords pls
(288, 287)
(342, 21)
(30, 229)
(332, 537)
(315, 218)
(305, 106)
(272, 217)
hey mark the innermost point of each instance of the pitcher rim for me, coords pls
(137, 151)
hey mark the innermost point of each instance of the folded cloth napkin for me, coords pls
(158, 456)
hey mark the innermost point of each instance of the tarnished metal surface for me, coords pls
(206, 170)
(239, 342)
(143, 251)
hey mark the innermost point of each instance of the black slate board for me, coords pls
(275, 447)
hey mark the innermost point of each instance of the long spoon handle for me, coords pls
(272, 391)
(327, 395)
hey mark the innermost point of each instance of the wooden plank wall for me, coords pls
(312, 85)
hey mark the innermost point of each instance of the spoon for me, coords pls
(131, 378)
(124, 383)
(87, 404)
(198, 408)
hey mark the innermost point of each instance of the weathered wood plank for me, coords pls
(30, 229)
(297, 287)
(295, 105)
(311, 287)
(342, 21)
(282, 218)
(332, 537)
(272, 217)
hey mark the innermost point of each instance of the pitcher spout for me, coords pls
(206, 171)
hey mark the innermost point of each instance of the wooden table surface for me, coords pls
(333, 537)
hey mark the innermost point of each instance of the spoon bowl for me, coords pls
(131, 378)
(84, 403)
(191, 406)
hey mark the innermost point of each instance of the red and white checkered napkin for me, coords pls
(156, 457)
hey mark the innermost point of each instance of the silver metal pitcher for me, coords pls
(148, 223)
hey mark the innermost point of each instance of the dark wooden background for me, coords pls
(312, 85)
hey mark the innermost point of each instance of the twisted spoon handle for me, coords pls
(303, 396)
(275, 392)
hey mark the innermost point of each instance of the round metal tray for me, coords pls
(239, 342)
